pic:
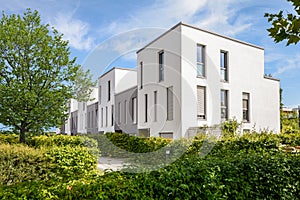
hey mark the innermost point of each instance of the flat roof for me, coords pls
(129, 69)
(203, 30)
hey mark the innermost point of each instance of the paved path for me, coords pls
(107, 163)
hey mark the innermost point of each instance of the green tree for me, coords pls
(285, 27)
(37, 75)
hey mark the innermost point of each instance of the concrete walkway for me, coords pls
(107, 163)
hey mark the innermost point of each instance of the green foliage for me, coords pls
(229, 128)
(20, 163)
(118, 144)
(70, 162)
(66, 140)
(250, 166)
(36, 74)
(289, 122)
(285, 27)
(9, 138)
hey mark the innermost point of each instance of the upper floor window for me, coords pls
(224, 65)
(224, 104)
(200, 60)
(246, 117)
(108, 91)
(161, 61)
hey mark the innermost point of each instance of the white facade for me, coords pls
(114, 81)
(186, 78)
(245, 75)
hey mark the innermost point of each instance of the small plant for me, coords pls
(230, 127)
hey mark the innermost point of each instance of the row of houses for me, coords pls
(184, 79)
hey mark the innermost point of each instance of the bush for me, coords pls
(70, 162)
(20, 163)
(9, 139)
(66, 140)
(118, 144)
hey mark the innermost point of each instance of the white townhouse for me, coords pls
(114, 81)
(189, 77)
(186, 78)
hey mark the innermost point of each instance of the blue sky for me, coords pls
(105, 33)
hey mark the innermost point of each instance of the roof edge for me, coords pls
(203, 30)
(128, 69)
(272, 78)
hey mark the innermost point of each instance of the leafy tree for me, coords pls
(285, 27)
(37, 75)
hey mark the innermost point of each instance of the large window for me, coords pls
(224, 104)
(246, 117)
(170, 103)
(134, 111)
(108, 91)
(201, 102)
(224, 65)
(200, 60)
(155, 106)
(161, 61)
(142, 71)
(146, 108)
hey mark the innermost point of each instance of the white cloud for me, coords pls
(74, 30)
(287, 64)
(213, 15)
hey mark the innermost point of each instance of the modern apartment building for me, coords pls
(187, 78)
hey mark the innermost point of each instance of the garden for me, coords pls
(251, 166)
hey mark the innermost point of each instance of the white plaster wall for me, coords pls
(103, 103)
(246, 74)
(121, 79)
(170, 44)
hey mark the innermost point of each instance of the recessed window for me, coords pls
(119, 112)
(100, 94)
(224, 104)
(246, 117)
(170, 106)
(200, 60)
(134, 111)
(161, 61)
(201, 102)
(112, 115)
(155, 106)
(125, 112)
(106, 116)
(224, 65)
(141, 75)
(102, 117)
(146, 108)
(108, 91)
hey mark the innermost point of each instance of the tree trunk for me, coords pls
(22, 132)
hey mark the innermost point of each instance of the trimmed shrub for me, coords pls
(9, 139)
(118, 144)
(20, 163)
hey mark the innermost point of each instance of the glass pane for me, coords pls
(200, 69)
(222, 59)
(200, 53)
